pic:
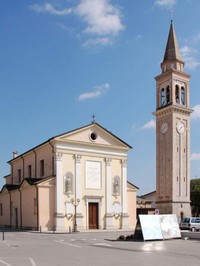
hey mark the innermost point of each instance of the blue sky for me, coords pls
(61, 61)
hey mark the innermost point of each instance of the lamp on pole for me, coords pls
(75, 204)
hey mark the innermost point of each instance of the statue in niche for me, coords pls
(68, 184)
(116, 186)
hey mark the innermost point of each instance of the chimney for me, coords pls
(15, 154)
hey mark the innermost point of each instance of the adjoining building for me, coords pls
(76, 180)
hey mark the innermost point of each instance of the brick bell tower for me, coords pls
(173, 133)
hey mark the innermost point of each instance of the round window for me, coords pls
(93, 136)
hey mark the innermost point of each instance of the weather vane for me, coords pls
(171, 12)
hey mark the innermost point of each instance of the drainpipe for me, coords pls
(11, 172)
(35, 163)
(23, 169)
(53, 166)
(37, 207)
(20, 202)
(10, 211)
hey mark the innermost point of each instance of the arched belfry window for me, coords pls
(163, 97)
(182, 95)
(168, 95)
(68, 183)
(177, 94)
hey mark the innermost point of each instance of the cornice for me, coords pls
(171, 72)
(172, 109)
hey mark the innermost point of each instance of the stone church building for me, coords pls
(77, 181)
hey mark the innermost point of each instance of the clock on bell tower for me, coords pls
(173, 133)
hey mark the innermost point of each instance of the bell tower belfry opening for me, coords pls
(173, 133)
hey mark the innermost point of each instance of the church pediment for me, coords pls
(93, 134)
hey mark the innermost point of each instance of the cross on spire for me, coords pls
(93, 118)
(171, 12)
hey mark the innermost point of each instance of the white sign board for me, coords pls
(93, 175)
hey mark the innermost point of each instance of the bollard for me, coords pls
(40, 229)
(70, 230)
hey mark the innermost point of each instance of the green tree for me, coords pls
(195, 196)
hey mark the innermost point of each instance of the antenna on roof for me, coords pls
(171, 12)
(93, 118)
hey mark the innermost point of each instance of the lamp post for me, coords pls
(75, 204)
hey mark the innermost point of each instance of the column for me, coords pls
(59, 192)
(124, 216)
(78, 190)
(108, 194)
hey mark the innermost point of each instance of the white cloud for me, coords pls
(50, 9)
(97, 41)
(196, 114)
(195, 157)
(165, 3)
(98, 91)
(150, 124)
(188, 54)
(101, 17)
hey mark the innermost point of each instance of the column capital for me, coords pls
(124, 162)
(58, 156)
(108, 161)
(77, 158)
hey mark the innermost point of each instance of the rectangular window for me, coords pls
(19, 175)
(1, 209)
(29, 171)
(42, 168)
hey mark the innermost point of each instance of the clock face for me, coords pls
(180, 127)
(164, 128)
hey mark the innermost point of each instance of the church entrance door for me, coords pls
(93, 215)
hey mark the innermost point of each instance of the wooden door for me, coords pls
(93, 215)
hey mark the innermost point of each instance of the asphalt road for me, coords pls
(93, 249)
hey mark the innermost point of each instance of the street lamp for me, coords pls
(75, 204)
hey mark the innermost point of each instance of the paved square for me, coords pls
(94, 248)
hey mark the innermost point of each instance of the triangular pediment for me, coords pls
(93, 134)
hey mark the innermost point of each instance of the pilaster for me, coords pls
(124, 221)
(59, 192)
(109, 216)
(78, 191)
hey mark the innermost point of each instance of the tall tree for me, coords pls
(195, 196)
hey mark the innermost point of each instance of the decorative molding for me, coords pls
(77, 158)
(58, 156)
(172, 109)
(108, 161)
(124, 162)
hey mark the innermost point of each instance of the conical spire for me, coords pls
(172, 58)
(172, 49)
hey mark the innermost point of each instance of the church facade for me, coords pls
(173, 133)
(74, 181)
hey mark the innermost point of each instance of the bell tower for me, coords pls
(173, 133)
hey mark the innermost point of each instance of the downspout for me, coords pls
(11, 172)
(53, 166)
(35, 163)
(23, 168)
(53, 174)
(20, 202)
(10, 211)
(37, 207)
